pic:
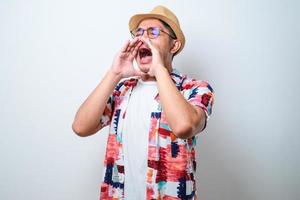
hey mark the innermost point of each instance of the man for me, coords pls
(154, 113)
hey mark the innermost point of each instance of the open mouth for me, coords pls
(145, 55)
(143, 52)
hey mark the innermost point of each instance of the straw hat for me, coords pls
(164, 14)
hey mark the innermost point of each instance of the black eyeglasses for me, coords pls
(152, 32)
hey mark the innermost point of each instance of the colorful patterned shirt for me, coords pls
(171, 160)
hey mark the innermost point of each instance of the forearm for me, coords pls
(88, 116)
(180, 114)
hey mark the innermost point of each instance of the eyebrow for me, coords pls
(151, 27)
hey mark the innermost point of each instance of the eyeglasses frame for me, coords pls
(160, 30)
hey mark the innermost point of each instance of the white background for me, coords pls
(54, 53)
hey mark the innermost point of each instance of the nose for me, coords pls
(145, 34)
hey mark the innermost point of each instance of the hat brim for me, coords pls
(136, 19)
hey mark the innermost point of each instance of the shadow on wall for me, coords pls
(217, 175)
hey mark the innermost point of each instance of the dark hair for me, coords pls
(167, 26)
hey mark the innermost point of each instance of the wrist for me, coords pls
(160, 69)
(114, 75)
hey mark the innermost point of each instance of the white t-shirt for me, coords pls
(135, 138)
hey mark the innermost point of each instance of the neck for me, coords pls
(148, 78)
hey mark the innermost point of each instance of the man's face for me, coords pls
(162, 43)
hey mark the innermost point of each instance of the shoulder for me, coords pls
(187, 82)
(192, 83)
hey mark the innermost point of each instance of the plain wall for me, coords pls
(54, 53)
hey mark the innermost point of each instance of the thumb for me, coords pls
(147, 42)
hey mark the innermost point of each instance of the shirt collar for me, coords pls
(176, 76)
(177, 79)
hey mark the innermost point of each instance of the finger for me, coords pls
(132, 48)
(132, 44)
(136, 48)
(146, 41)
(137, 44)
(125, 46)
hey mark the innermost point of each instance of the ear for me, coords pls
(175, 46)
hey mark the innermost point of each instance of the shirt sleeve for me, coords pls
(110, 105)
(107, 113)
(201, 94)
